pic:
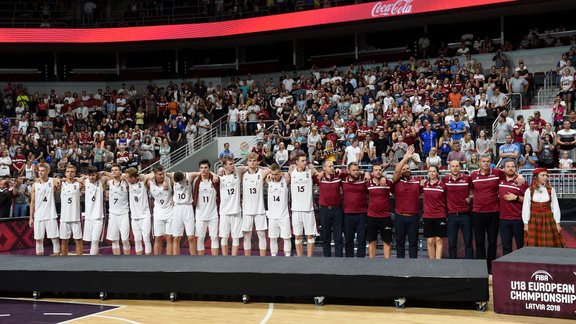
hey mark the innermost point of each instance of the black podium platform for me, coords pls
(437, 280)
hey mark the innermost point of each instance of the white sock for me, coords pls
(274, 246)
(138, 246)
(200, 244)
(94, 247)
(126, 246)
(262, 244)
(247, 241)
(56, 245)
(147, 247)
(39, 247)
(214, 242)
(287, 247)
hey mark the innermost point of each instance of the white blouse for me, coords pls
(540, 195)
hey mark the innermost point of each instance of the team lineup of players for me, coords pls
(228, 206)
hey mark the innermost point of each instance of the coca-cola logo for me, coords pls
(399, 7)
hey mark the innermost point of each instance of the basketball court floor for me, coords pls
(185, 311)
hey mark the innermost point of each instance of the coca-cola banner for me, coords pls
(365, 11)
(538, 289)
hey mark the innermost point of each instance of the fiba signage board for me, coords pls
(335, 15)
(535, 289)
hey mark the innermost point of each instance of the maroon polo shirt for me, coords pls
(407, 193)
(379, 198)
(434, 199)
(329, 188)
(457, 191)
(511, 210)
(355, 199)
(485, 188)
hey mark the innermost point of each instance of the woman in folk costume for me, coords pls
(541, 213)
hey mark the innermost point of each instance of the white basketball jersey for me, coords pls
(44, 203)
(163, 202)
(139, 204)
(278, 199)
(253, 194)
(183, 192)
(301, 191)
(206, 208)
(230, 194)
(93, 200)
(118, 198)
(70, 202)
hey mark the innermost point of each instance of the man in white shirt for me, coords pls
(532, 136)
(351, 153)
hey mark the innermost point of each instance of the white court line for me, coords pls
(117, 318)
(4, 315)
(268, 314)
(57, 314)
(63, 301)
(95, 314)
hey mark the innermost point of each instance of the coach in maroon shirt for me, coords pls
(485, 209)
(458, 192)
(511, 199)
(407, 191)
(355, 208)
(330, 201)
(378, 220)
(434, 191)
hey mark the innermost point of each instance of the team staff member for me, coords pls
(458, 193)
(434, 212)
(407, 190)
(278, 214)
(485, 209)
(70, 221)
(379, 220)
(511, 198)
(303, 218)
(355, 208)
(330, 201)
(43, 217)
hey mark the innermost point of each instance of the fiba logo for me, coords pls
(399, 7)
(541, 275)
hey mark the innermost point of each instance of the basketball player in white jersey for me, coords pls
(160, 187)
(253, 212)
(183, 219)
(230, 209)
(206, 192)
(278, 215)
(118, 209)
(141, 219)
(94, 208)
(43, 215)
(303, 218)
(70, 221)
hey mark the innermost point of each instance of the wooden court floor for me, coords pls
(164, 311)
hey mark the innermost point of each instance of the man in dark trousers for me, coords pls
(5, 199)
